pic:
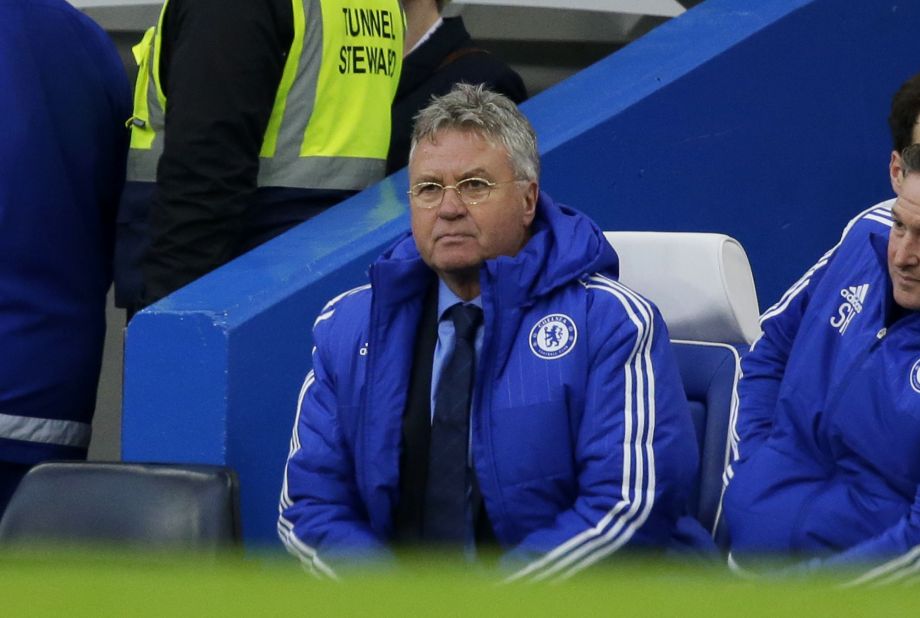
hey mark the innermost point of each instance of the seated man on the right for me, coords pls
(829, 424)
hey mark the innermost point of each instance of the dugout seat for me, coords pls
(138, 505)
(704, 288)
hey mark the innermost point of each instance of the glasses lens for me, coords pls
(474, 190)
(427, 193)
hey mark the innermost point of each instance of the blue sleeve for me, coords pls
(764, 366)
(635, 451)
(888, 558)
(63, 101)
(321, 518)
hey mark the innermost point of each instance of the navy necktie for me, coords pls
(444, 519)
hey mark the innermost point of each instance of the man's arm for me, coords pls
(321, 519)
(887, 558)
(764, 366)
(221, 65)
(635, 449)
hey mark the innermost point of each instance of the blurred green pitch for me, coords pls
(41, 583)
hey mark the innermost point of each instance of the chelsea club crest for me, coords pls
(915, 376)
(553, 337)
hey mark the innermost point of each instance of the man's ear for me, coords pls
(531, 195)
(896, 171)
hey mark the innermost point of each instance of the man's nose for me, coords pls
(907, 253)
(451, 204)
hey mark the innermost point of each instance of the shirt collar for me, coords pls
(427, 34)
(447, 299)
(879, 243)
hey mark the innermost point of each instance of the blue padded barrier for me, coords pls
(761, 120)
(212, 372)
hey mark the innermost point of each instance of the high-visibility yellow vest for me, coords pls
(330, 123)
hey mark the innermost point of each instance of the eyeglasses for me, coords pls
(472, 191)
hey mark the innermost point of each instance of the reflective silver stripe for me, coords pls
(45, 430)
(298, 105)
(287, 168)
(142, 164)
(348, 173)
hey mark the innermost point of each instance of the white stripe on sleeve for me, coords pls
(307, 555)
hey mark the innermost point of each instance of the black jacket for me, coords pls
(220, 65)
(448, 57)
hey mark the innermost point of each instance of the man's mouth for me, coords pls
(452, 237)
(906, 279)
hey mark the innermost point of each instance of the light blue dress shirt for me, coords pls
(446, 337)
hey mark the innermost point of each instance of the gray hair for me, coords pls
(910, 159)
(491, 115)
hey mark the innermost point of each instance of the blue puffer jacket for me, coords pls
(829, 420)
(581, 444)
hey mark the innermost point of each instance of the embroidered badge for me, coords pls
(553, 337)
(915, 376)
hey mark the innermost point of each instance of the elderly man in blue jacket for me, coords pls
(494, 384)
(829, 422)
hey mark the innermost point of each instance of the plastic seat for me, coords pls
(150, 506)
(703, 286)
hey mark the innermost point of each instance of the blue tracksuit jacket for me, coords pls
(581, 444)
(64, 98)
(829, 421)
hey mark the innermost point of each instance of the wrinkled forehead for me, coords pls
(456, 138)
(460, 131)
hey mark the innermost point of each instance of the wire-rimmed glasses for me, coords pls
(472, 191)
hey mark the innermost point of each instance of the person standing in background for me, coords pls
(440, 54)
(64, 97)
(250, 116)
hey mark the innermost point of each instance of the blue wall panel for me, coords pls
(764, 120)
(776, 139)
(212, 372)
